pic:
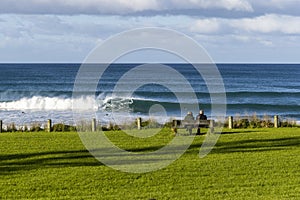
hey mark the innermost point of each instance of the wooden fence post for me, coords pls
(230, 122)
(139, 123)
(276, 121)
(1, 123)
(211, 125)
(49, 125)
(174, 123)
(94, 125)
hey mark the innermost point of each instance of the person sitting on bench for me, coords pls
(189, 120)
(199, 117)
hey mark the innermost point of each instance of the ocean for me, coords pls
(33, 93)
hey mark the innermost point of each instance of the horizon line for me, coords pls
(150, 63)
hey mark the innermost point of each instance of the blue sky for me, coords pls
(250, 31)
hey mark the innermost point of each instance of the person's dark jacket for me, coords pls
(201, 117)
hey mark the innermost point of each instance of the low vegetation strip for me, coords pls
(261, 163)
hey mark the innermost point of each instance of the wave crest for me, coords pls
(48, 103)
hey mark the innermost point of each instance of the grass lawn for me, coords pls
(245, 164)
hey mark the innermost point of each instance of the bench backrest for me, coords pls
(181, 123)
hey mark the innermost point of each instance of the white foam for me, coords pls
(48, 103)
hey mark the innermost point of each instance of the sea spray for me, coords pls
(39, 103)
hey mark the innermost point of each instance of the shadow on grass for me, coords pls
(237, 132)
(252, 145)
(13, 163)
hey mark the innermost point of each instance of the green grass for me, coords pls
(245, 164)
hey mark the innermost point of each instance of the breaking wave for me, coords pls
(38, 103)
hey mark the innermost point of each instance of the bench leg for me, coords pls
(190, 131)
(174, 130)
(198, 131)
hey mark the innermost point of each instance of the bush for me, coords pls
(63, 128)
(241, 123)
(26, 129)
(11, 128)
(35, 128)
(111, 127)
(83, 126)
(168, 124)
(288, 123)
(151, 123)
(256, 122)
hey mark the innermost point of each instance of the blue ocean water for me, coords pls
(37, 92)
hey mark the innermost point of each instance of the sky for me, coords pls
(231, 31)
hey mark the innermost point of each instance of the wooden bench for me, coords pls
(180, 124)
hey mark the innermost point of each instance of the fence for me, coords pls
(276, 122)
(93, 125)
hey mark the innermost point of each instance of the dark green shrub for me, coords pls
(241, 123)
(168, 124)
(112, 127)
(151, 123)
(11, 128)
(84, 126)
(26, 129)
(63, 128)
(35, 128)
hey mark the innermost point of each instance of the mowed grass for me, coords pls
(245, 164)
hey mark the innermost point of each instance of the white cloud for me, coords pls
(252, 40)
(76, 6)
(283, 4)
(208, 8)
(231, 30)
(208, 4)
(241, 5)
(266, 24)
(116, 6)
(278, 4)
(279, 7)
(206, 26)
(269, 24)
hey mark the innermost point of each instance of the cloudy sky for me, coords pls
(230, 30)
